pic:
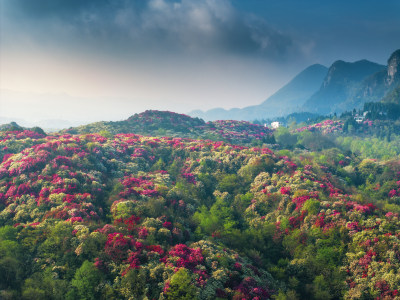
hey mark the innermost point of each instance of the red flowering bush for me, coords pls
(181, 256)
(319, 222)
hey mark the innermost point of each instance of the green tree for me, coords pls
(86, 281)
(45, 285)
(321, 288)
(284, 138)
(230, 183)
(133, 284)
(106, 134)
(10, 273)
(181, 286)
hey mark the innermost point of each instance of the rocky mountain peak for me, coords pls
(342, 72)
(393, 70)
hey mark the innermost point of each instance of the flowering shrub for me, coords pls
(141, 209)
(327, 126)
(165, 123)
(183, 256)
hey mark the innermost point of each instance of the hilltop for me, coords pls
(165, 123)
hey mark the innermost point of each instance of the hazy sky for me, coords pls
(107, 59)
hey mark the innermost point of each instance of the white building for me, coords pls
(276, 124)
(359, 119)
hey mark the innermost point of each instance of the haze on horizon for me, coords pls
(107, 59)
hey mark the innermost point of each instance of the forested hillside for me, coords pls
(166, 123)
(125, 216)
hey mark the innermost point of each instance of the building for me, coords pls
(359, 119)
(276, 124)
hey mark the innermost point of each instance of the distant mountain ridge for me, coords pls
(298, 90)
(382, 86)
(317, 89)
(286, 100)
(340, 86)
(391, 81)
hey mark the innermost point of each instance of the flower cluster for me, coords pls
(146, 210)
(327, 126)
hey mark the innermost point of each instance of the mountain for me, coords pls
(350, 85)
(391, 81)
(298, 90)
(319, 90)
(382, 85)
(340, 85)
(286, 100)
(393, 72)
(393, 96)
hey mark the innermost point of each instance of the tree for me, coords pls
(284, 138)
(10, 273)
(389, 133)
(320, 288)
(229, 183)
(106, 134)
(38, 130)
(86, 280)
(316, 141)
(181, 286)
(44, 285)
(133, 284)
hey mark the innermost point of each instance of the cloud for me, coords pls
(184, 26)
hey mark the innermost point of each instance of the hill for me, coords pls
(13, 126)
(165, 123)
(126, 216)
(10, 127)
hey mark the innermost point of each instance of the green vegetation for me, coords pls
(125, 216)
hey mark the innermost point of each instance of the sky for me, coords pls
(82, 61)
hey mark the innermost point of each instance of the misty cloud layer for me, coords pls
(188, 26)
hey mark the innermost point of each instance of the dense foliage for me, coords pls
(126, 216)
(165, 123)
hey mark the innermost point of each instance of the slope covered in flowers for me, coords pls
(129, 216)
(165, 123)
(326, 126)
